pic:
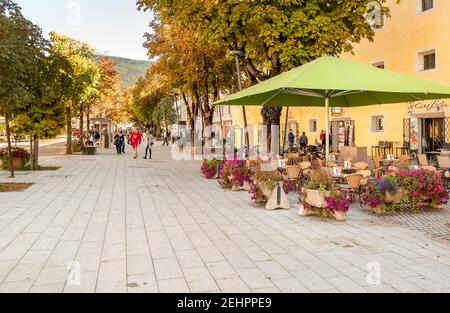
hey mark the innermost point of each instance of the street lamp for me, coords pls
(237, 54)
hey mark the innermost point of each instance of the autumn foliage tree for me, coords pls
(275, 36)
(108, 104)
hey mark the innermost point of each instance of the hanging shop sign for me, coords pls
(436, 105)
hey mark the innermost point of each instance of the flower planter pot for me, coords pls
(390, 197)
(435, 205)
(266, 192)
(339, 216)
(316, 198)
(244, 187)
(17, 163)
(303, 211)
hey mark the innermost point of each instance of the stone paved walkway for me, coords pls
(157, 226)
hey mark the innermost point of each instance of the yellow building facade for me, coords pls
(414, 41)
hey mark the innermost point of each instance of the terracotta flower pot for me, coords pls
(17, 163)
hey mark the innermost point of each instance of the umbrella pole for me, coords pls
(327, 134)
(286, 120)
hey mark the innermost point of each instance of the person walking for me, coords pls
(291, 139)
(150, 142)
(135, 141)
(303, 141)
(119, 141)
(166, 137)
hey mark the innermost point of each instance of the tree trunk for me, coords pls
(69, 131)
(81, 125)
(35, 154)
(271, 117)
(8, 136)
(88, 117)
(31, 144)
(192, 126)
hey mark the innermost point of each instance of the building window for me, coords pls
(427, 60)
(379, 65)
(313, 126)
(377, 124)
(427, 5)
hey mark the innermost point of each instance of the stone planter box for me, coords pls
(338, 216)
(316, 198)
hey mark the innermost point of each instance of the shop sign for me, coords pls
(436, 105)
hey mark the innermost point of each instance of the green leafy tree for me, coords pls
(22, 47)
(84, 79)
(42, 114)
(275, 36)
(164, 115)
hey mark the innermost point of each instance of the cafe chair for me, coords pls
(377, 148)
(379, 168)
(353, 186)
(422, 160)
(405, 161)
(361, 166)
(403, 149)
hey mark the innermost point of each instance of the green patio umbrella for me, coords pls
(334, 82)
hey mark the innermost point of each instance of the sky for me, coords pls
(112, 27)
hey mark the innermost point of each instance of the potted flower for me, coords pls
(389, 189)
(319, 197)
(319, 187)
(20, 157)
(338, 206)
(210, 168)
(373, 200)
(424, 188)
(262, 185)
(234, 174)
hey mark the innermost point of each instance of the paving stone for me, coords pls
(136, 226)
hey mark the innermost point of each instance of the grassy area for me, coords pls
(19, 187)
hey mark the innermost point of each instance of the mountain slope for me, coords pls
(130, 70)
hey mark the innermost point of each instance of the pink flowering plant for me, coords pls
(210, 168)
(16, 152)
(419, 189)
(233, 173)
(423, 185)
(338, 203)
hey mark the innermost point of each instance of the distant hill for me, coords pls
(130, 70)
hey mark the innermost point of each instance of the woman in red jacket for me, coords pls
(135, 141)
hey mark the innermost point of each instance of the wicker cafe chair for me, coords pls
(305, 171)
(444, 166)
(379, 168)
(365, 176)
(422, 160)
(353, 186)
(405, 161)
(361, 166)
